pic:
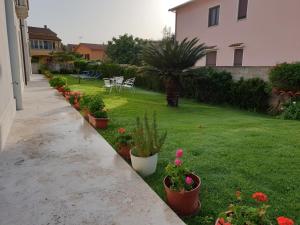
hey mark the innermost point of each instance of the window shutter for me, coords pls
(243, 6)
(211, 58)
(238, 57)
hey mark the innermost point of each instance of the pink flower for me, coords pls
(179, 153)
(188, 181)
(177, 162)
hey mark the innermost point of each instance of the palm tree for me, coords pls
(171, 58)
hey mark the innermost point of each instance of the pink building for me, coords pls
(254, 33)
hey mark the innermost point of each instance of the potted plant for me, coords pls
(123, 143)
(147, 144)
(256, 213)
(182, 187)
(58, 82)
(84, 102)
(66, 90)
(98, 114)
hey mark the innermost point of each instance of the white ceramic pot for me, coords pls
(145, 166)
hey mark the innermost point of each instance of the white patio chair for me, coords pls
(119, 82)
(129, 83)
(108, 84)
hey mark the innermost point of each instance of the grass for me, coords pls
(229, 149)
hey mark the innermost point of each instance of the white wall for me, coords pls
(7, 101)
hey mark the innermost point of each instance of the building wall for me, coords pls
(94, 54)
(7, 101)
(270, 32)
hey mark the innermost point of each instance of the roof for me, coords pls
(181, 5)
(94, 47)
(42, 33)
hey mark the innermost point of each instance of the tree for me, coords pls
(170, 58)
(126, 49)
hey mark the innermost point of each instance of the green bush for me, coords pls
(251, 94)
(207, 85)
(58, 81)
(286, 76)
(72, 99)
(110, 70)
(291, 111)
(85, 100)
(81, 65)
(96, 107)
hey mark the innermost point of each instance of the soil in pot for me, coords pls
(100, 123)
(184, 203)
(124, 151)
(145, 166)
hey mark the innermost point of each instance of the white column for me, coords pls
(15, 52)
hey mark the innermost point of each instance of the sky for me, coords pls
(97, 21)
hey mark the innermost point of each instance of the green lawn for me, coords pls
(230, 149)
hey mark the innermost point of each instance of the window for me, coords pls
(213, 17)
(45, 44)
(238, 57)
(211, 58)
(36, 44)
(41, 44)
(87, 56)
(243, 6)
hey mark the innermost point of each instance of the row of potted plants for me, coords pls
(181, 185)
(93, 107)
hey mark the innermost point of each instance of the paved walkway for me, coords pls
(57, 170)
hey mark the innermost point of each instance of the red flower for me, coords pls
(260, 197)
(284, 221)
(121, 130)
(222, 222)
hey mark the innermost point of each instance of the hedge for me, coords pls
(286, 76)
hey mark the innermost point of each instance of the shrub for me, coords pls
(251, 94)
(81, 65)
(85, 100)
(207, 85)
(110, 70)
(96, 107)
(291, 111)
(58, 82)
(286, 76)
(147, 141)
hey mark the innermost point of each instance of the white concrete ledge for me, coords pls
(56, 169)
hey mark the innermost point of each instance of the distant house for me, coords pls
(242, 35)
(91, 51)
(71, 47)
(43, 41)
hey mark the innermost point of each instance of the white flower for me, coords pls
(294, 103)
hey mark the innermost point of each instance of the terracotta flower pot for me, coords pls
(67, 97)
(101, 123)
(77, 106)
(184, 203)
(124, 151)
(86, 114)
(60, 89)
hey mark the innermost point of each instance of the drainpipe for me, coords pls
(14, 50)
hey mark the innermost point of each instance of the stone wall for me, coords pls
(247, 71)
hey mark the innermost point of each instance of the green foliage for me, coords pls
(125, 49)
(177, 176)
(241, 213)
(291, 111)
(48, 74)
(58, 81)
(286, 76)
(100, 114)
(85, 100)
(251, 94)
(81, 64)
(96, 107)
(72, 99)
(110, 70)
(123, 138)
(171, 57)
(67, 88)
(147, 141)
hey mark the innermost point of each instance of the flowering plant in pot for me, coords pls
(84, 102)
(123, 143)
(147, 145)
(98, 115)
(182, 187)
(255, 214)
